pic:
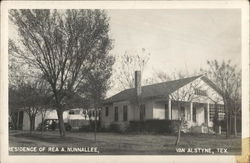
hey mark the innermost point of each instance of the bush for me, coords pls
(223, 124)
(67, 126)
(174, 126)
(114, 128)
(85, 128)
(103, 129)
(136, 126)
(154, 126)
(91, 127)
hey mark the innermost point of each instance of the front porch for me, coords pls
(197, 116)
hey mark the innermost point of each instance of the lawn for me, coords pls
(120, 144)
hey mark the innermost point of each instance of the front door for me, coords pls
(200, 115)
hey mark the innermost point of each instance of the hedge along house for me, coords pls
(196, 99)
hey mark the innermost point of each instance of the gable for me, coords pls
(199, 90)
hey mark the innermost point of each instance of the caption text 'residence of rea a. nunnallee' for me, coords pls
(53, 149)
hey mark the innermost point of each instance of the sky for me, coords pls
(178, 39)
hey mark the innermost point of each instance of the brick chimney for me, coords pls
(138, 83)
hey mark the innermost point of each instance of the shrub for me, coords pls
(114, 128)
(85, 128)
(223, 124)
(67, 126)
(103, 129)
(91, 126)
(174, 126)
(136, 126)
(154, 126)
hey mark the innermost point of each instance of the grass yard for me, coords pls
(120, 144)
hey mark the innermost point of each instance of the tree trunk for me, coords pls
(216, 119)
(42, 125)
(61, 122)
(32, 126)
(230, 124)
(235, 124)
(95, 123)
(17, 124)
(207, 115)
(180, 125)
(179, 134)
(227, 119)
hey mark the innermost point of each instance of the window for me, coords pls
(77, 112)
(142, 112)
(107, 111)
(220, 108)
(200, 92)
(166, 111)
(205, 114)
(221, 112)
(194, 114)
(125, 113)
(71, 112)
(216, 112)
(212, 112)
(182, 112)
(116, 113)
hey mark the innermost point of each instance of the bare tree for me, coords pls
(228, 78)
(161, 76)
(186, 93)
(62, 45)
(96, 85)
(236, 101)
(180, 95)
(126, 65)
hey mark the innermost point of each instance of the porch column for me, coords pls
(191, 111)
(169, 110)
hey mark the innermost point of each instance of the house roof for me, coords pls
(211, 84)
(156, 90)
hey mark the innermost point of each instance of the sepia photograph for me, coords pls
(130, 81)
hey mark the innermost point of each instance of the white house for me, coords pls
(197, 98)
